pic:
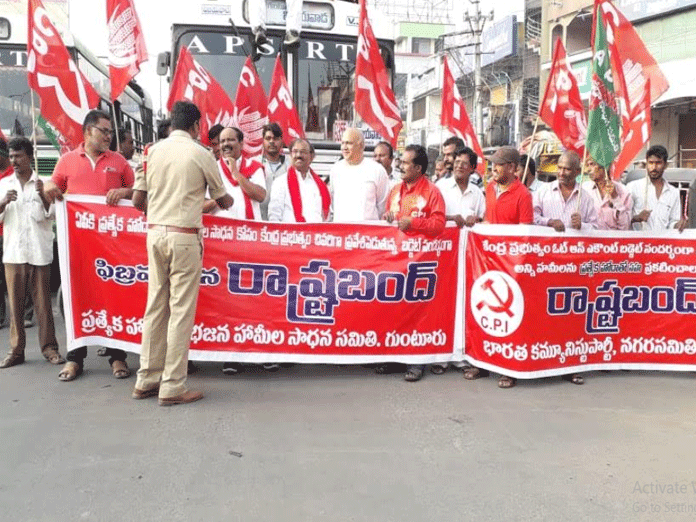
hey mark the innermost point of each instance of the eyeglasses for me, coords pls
(105, 132)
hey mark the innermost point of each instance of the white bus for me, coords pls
(320, 72)
(133, 109)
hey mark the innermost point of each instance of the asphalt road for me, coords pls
(341, 443)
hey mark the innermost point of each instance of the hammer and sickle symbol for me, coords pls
(502, 306)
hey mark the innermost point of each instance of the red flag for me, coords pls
(374, 98)
(455, 118)
(126, 44)
(636, 133)
(250, 109)
(66, 96)
(562, 108)
(193, 83)
(631, 61)
(281, 108)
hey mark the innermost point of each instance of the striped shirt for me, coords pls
(549, 204)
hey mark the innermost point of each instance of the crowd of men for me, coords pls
(179, 179)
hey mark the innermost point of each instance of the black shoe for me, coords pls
(192, 368)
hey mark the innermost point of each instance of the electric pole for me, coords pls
(476, 24)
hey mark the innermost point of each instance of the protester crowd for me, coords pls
(179, 180)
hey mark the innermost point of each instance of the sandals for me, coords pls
(70, 371)
(413, 374)
(506, 382)
(575, 378)
(438, 369)
(120, 370)
(473, 373)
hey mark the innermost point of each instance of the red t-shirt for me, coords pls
(75, 174)
(512, 207)
(422, 202)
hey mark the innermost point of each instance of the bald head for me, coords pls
(353, 146)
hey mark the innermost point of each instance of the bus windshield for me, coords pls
(323, 86)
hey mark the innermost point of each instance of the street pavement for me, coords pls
(340, 443)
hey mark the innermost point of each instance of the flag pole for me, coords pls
(582, 176)
(33, 132)
(113, 113)
(529, 152)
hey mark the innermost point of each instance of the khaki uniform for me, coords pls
(178, 172)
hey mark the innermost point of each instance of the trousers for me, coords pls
(36, 280)
(174, 275)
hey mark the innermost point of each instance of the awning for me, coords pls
(681, 75)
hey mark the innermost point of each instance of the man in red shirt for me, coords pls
(416, 203)
(417, 206)
(508, 201)
(92, 169)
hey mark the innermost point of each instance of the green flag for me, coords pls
(603, 128)
(49, 131)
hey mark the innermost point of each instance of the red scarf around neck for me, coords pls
(249, 210)
(296, 199)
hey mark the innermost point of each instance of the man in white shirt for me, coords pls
(359, 186)
(450, 147)
(274, 162)
(27, 253)
(557, 205)
(384, 155)
(243, 179)
(299, 196)
(656, 203)
(465, 203)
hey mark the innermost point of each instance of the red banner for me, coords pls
(545, 304)
(192, 82)
(270, 292)
(561, 107)
(374, 98)
(635, 134)
(66, 95)
(126, 44)
(250, 109)
(281, 107)
(455, 118)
